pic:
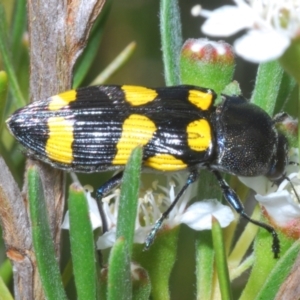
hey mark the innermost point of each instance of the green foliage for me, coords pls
(82, 245)
(221, 256)
(42, 239)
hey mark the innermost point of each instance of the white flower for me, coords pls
(271, 24)
(93, 211)
(152, 203)
(281, 203)
(199, 215)
(282, 206)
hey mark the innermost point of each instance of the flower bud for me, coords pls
(207, 63)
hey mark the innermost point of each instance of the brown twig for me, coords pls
(58, 31)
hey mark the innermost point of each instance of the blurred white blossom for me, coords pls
(271, 26)
(281, 203)
(152, 203)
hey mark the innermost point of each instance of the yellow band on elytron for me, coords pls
(59, 101)
(165, 162)
(138, 95)
(59, 143)
(137, 130)
(202, 100)
(199, 135)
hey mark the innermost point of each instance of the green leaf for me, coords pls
(285, 95)
(18, 28)
(279, 273)
(129, 198)
(171, 40)
(141, 286)
(86, 59)
(7, 61)
(264, 263)
(290, 60)
(119, 276)
(4, 291)
(204, 264)
(221, 261)
(42, 239)
(272, 87)
(244, 241)
(67, 273)
(298, 119)
(3, 95)
(159, 261)
(82, 244)
(208, 188)
(6, 271)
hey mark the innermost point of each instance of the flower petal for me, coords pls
(107, 240)
(286, 184)
(198, 215)
(141, 234)
(261, 45)
(66, 222)
(280, 207)
(227, 20)
(94, 212)
(260, 184)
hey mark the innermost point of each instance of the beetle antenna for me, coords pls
(293, 188)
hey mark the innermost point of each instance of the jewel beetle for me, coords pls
(95, 129)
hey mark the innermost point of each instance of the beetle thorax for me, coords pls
(246, 139)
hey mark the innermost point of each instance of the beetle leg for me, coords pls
(103, 190)
(233, 199)
(151, 236)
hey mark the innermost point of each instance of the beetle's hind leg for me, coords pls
(103, 190)
(116, 180)
(233, 199)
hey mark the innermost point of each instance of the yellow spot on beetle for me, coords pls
(137, 130)
(199, 135)
(202, 100)
(165, 162)
(138, 95)
(59, 143)
(59, 101)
